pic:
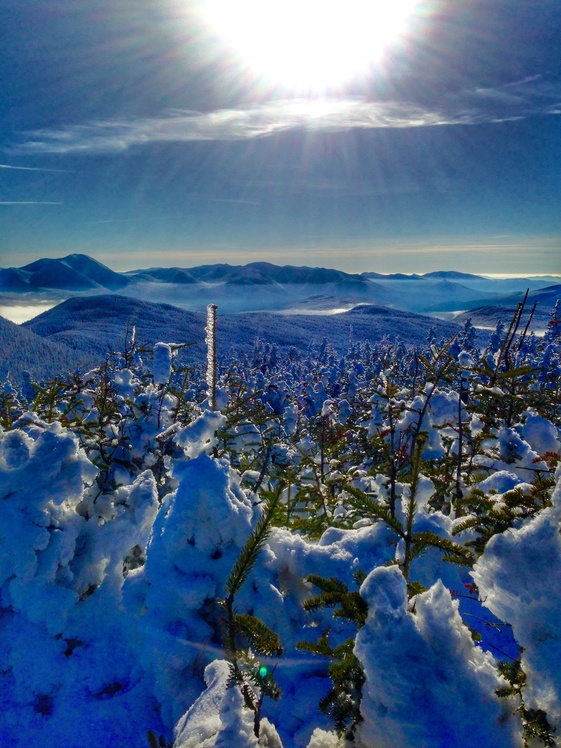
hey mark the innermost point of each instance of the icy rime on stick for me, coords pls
(211, 353)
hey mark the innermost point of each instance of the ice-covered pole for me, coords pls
(211, 368)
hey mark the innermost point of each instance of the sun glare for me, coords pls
(309, 44)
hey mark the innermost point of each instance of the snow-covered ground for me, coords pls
(170, 573)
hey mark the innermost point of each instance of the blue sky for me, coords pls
(136, 133)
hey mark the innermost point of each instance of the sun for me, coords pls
(309, 44)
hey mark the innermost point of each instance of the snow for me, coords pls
(519, 578)
(198, 534)
(161, 368)
(424, 674)
(217, 715)
(540, 434)
(40, 529)
(119, 532)
(323, 739)
(200, 436)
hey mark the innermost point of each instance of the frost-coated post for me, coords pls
(211, 353)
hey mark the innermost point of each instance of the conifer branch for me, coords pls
(248, 556)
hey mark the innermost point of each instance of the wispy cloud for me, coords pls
(233, 200)
(514, 101)
(29, 168)
(29, 202)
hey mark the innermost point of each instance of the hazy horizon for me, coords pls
(123, 264)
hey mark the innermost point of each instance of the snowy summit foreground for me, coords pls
(358, 550)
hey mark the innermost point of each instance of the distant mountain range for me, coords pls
(263, 286)
(285, 306)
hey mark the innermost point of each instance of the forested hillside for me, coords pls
(22, 350)
(81, 332)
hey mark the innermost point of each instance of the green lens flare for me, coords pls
(263, 671)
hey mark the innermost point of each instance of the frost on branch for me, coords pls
(212, 364)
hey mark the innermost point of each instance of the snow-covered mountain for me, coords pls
(262, 286)
(157, 538)
(537, 311)
(75, 272)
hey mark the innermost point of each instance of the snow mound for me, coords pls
(519, 579)
(424, 674)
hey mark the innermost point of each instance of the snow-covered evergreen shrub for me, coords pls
(128, 503)
(427, 684)
(519, 579)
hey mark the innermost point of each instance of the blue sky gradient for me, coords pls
(131, 133)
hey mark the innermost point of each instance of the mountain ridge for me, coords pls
(75, 272)
(261, 286)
